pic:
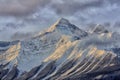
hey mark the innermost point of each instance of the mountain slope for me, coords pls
(63, 52)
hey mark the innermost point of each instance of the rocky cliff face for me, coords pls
(63, 52)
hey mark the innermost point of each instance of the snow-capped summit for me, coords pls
(64, 27)
(63, 21)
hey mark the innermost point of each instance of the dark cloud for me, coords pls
(71, 7)
(114, 1)
(60, 7)
(20, 7)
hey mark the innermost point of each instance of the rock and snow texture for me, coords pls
(63, 52)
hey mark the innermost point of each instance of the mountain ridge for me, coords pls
(62, 52)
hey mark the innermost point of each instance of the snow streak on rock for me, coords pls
(63, 52)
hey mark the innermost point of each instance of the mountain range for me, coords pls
(62, 52)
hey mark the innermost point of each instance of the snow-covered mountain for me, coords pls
(63, 52)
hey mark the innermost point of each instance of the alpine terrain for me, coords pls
(63, 52)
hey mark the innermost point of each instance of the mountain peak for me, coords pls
(63, 21)
(100, 29)
(63, 26)
(60, 22)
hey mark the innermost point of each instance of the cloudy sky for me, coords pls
(21, 18)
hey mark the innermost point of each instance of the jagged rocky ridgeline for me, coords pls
(63, 52)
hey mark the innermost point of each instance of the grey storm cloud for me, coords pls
(59, 7)
(63, 7)
(71, 7)
(20, 7)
